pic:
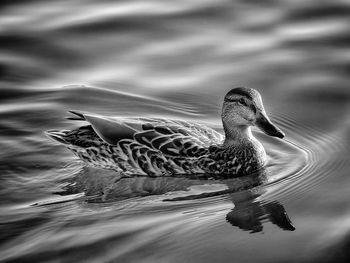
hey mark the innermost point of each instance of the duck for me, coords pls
(140, 146)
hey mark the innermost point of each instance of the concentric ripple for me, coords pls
(321, 150)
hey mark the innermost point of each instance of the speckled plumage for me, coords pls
(160, 147)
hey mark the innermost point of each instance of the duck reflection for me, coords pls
(249, 213)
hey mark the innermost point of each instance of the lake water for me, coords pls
(175, 59)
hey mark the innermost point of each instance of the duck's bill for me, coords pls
(264, 124)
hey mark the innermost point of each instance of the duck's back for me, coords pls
(143, 146)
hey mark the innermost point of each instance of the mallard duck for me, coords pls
(163, 147)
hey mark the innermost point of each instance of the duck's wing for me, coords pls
(171, 137)
(109, 130)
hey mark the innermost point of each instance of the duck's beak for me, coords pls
(264, 124)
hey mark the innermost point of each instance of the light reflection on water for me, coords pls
(174, 60)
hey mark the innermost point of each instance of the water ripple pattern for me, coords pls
(174, 59)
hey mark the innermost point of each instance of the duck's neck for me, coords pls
(237, 135)
(241, 141)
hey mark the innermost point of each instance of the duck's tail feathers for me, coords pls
(57, 135)
(78, 116)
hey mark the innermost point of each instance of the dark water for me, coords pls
(174, 59)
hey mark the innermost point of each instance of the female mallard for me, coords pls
(162, 147)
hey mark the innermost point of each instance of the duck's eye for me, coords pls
(242, 101)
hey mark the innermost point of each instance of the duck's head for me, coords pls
(243, 108)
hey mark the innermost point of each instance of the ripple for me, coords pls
(322, 150)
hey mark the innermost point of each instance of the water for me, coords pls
(174, 60)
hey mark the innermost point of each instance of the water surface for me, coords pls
(174, 60)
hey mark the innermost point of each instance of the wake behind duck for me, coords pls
(163, 147)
